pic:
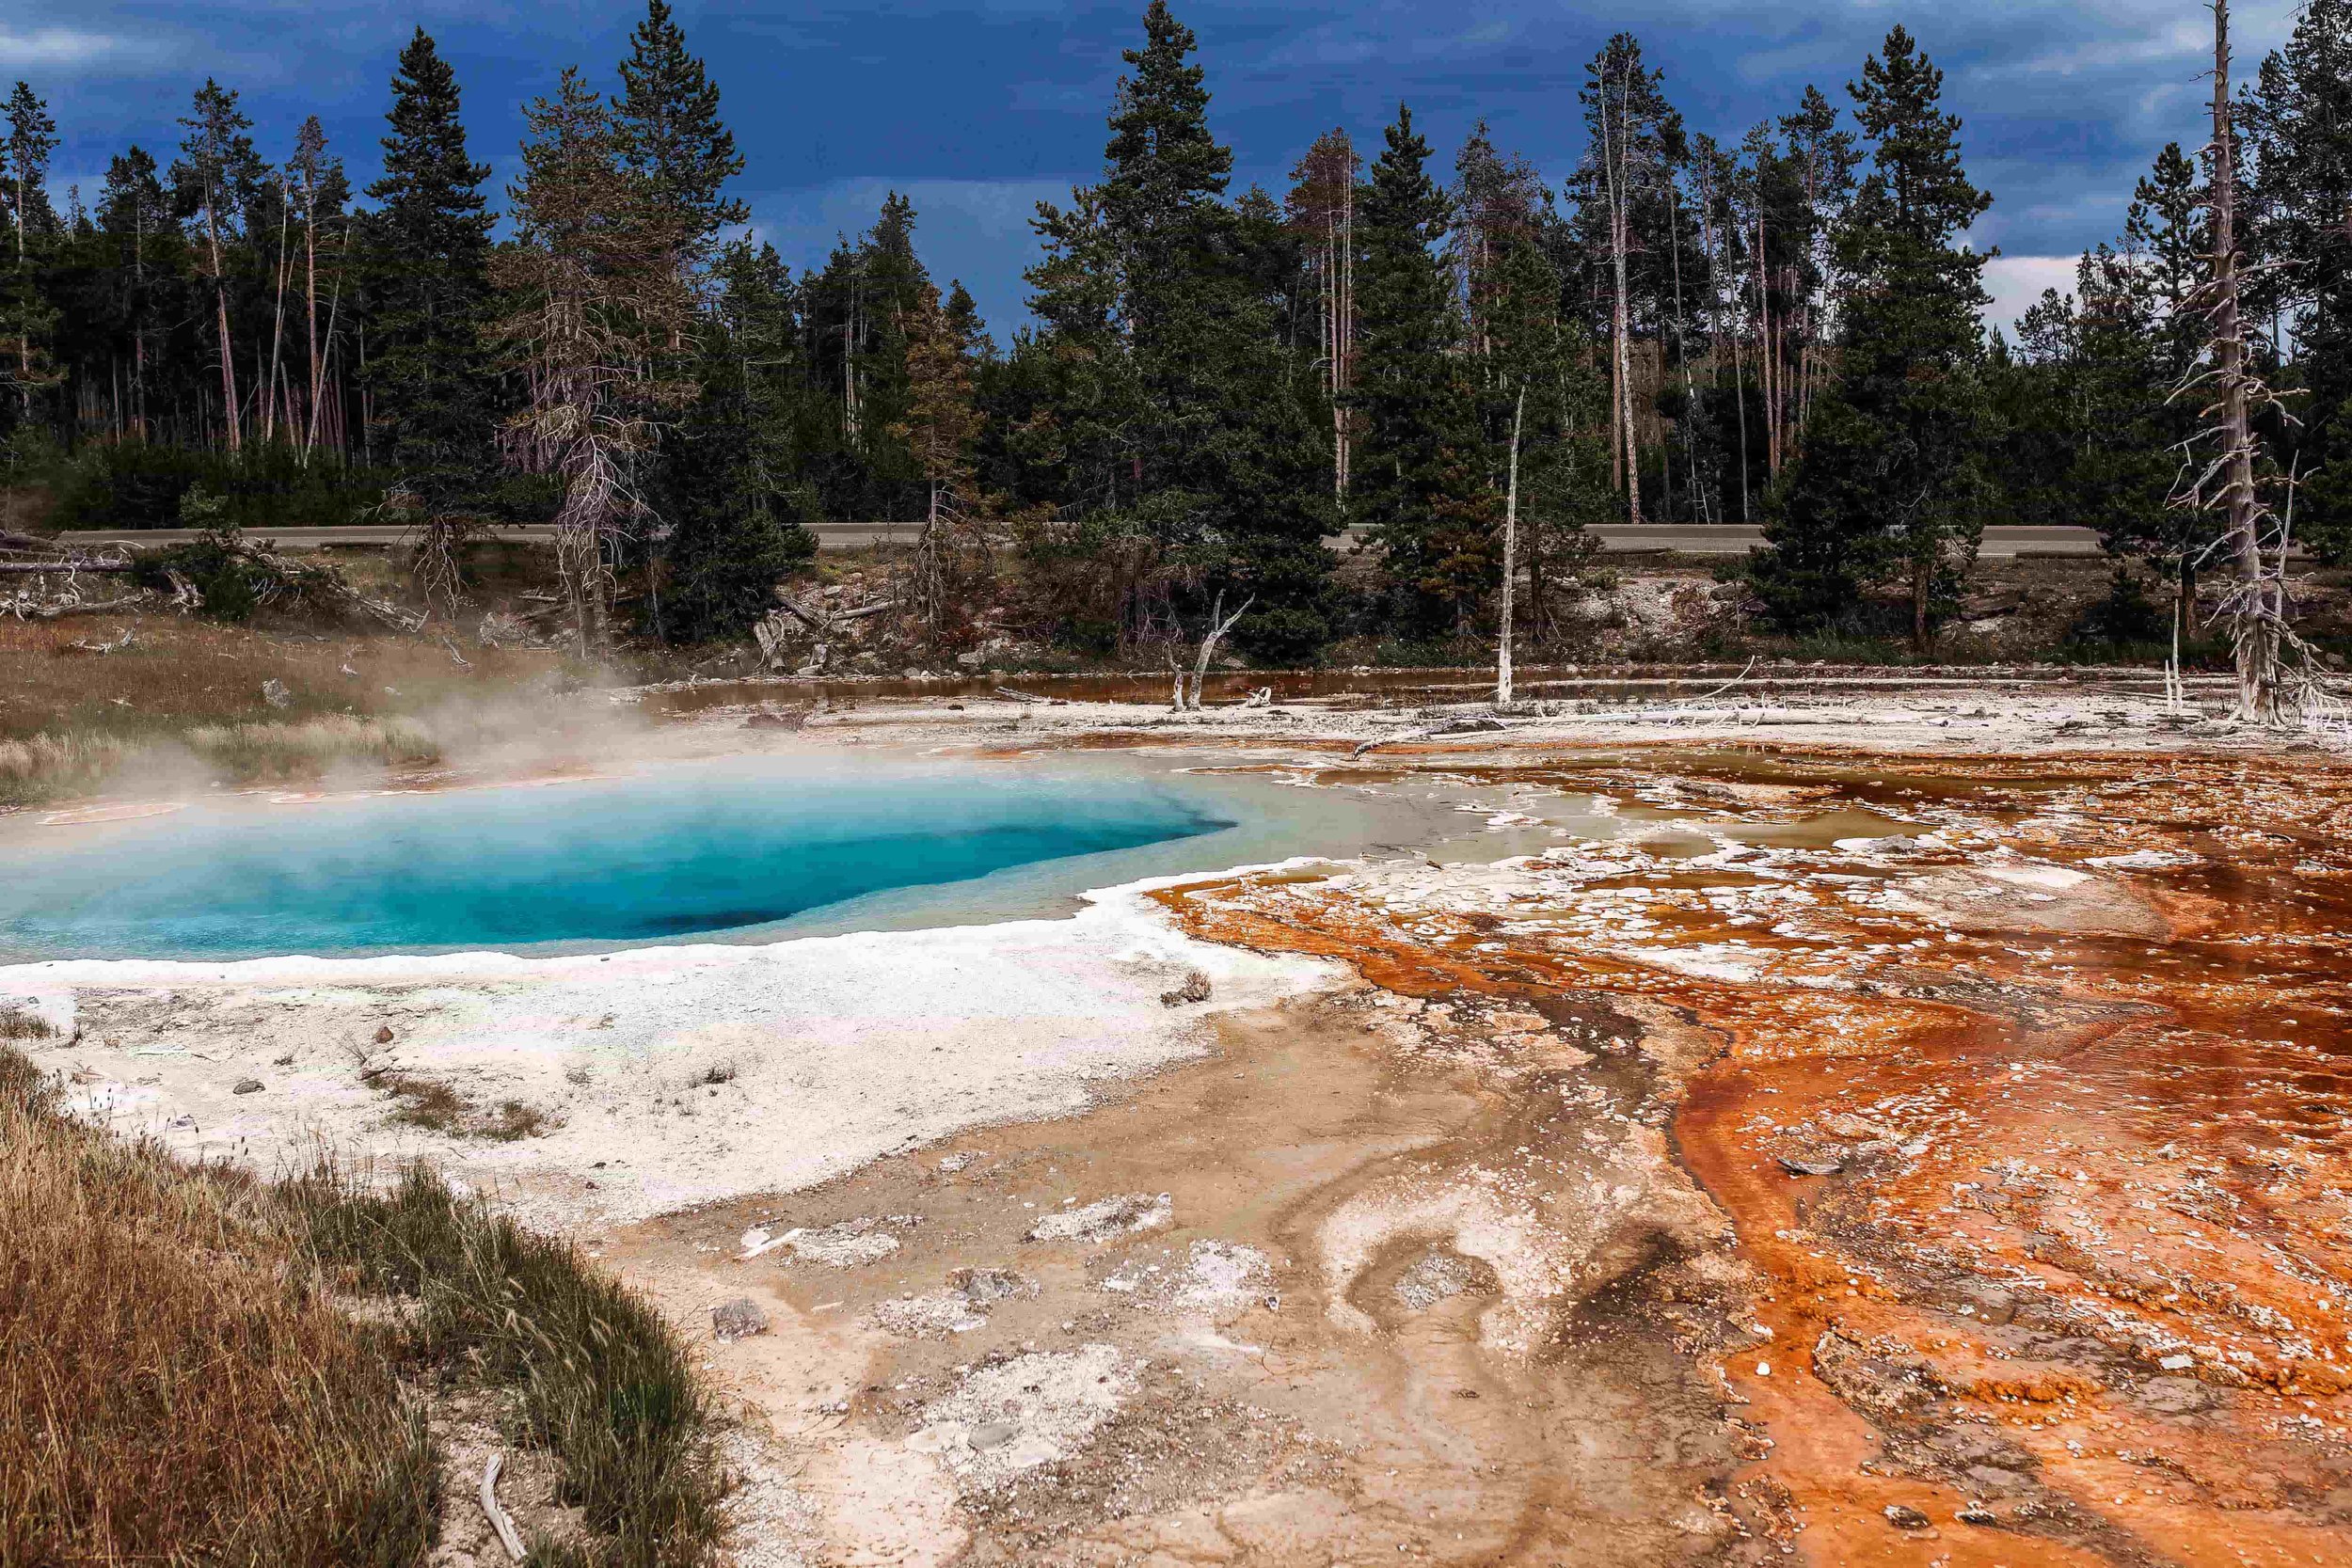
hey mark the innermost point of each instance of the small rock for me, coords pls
(1195, 989)
(1976, 1513)
(993, 1434)
(384, 1035)
(274, 692)
(2176, 1396)
(1811, 1168)
(1905, 1518)
(738, 1319)
(247, 1086)
(1994, 1478)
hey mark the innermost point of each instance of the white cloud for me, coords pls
(55, 48)
(2015, 283)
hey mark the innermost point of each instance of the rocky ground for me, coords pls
(1913, 1133)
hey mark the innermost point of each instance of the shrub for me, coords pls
(141, 484)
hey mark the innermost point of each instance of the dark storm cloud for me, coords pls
(980, 106)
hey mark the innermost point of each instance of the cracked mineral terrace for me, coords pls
(1936, 1157)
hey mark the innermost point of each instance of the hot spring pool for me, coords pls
(737, 849)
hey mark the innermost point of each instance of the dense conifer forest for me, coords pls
(1781, 327)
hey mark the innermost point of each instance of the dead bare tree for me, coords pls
(1510, 555)
(1219, 624)
(2278, 673)
(1321, 210)
(942, 421)
(600, 307)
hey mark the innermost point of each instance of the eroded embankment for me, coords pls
(2029, 1122)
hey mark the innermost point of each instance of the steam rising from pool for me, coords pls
(733, 847)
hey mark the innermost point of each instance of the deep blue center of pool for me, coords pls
(672, 854)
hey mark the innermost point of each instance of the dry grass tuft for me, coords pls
(17, 1024)
(174, 1383)
(309, 747)
(429, 1103)
(48, 766)
(178, 1385)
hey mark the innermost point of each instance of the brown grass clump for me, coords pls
(178, 1385)
(429, 1103)
(17, 1024)
(175, 1385)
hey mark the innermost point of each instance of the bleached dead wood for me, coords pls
(1217, 628)
(508, 1536)
(62, 568)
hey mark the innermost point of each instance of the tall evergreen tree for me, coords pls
(29, 320)
(1418, 480)
(1890, 483)
(436, 395)
(1224, 438)
(2298, 121)
(212, 183)
(735, 525)
(668, 125)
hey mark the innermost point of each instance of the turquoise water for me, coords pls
(673, 853)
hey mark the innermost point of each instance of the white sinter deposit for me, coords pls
(648, 1080)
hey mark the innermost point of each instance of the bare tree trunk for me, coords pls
(1217, 628)
(310, 309)
(1767, 351)
(318, 363)
(2256, 629)
(1510, 555)
(277, 323)
(220, 309)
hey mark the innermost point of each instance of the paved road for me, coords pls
(1617, 539)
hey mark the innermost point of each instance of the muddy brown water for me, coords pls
(1518, 1253)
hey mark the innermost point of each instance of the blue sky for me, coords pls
(980, 107)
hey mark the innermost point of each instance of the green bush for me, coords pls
(119, 485)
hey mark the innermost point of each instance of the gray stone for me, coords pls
(993, 1434)
(1905, 1518)
(247, 1086)
(1992, 1478)
(738, 1319)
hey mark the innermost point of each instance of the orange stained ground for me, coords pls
(2096, 1195)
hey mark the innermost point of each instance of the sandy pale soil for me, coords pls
(1883, 1148)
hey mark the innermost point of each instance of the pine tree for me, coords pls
(145, 264)
(30, 321)
(1418, 480)
(595, 308)
(1223, 438)
(1633, 139)
(941, 423)
(1322, 211)
(2297, 125)
(434, 388)
(1891, 482)
(667, 122)
(213, 180)
(730, 494)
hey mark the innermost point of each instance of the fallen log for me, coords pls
(803, 613)
(53, 568)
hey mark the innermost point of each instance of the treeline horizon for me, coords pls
(1404, 341)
